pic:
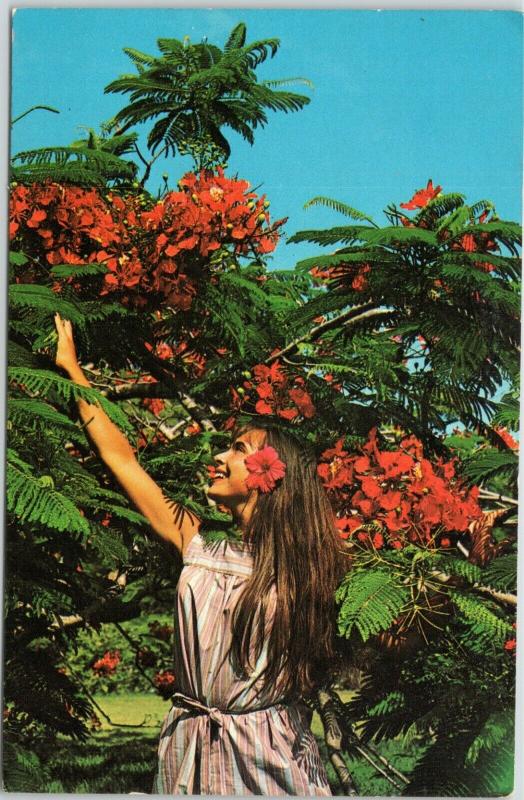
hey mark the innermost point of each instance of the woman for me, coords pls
(254, 621)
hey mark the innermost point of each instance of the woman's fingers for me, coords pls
(63, 324)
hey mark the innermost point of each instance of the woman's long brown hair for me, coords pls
(296, 548)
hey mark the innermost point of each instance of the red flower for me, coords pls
(155, 405)
(510, 645)
(108, 663)
(378, 541)
(365, 505)
(164, 678)
(264, 390)
(422, 196)
(303, 402)
(394, 464)
(468, 243)
(370, 488)
(265, 469)
(163, 351)
(164, 682)
(390, 500)
(337, 451)
(346, 525)
(397, 544)
(262, 407)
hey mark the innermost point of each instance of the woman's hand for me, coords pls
(65, 352)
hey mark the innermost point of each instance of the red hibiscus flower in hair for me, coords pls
(265, 469)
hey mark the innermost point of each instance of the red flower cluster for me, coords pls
(404, 496)
(184, 352)
(357, 273)
(510, 646)
(154, 404)
(265, 469)
(146, 251)
(479, 242)
(271, 390)
(422, 196)
(165, 682)
(108, 663)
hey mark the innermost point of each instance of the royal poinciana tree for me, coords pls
(373, 351)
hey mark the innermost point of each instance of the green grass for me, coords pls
(132, 708)
(122, 759)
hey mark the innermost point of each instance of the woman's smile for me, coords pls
(228, 484)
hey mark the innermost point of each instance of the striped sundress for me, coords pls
(224, 735)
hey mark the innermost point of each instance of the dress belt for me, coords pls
(215, 714)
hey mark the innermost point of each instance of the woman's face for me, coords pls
(229, 486)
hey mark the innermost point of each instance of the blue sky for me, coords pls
(399, 97)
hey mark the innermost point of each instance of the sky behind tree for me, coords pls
(399, 97)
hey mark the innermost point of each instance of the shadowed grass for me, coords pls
(119, 760)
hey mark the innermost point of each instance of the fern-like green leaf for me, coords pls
(459, 566)
(483, 622)
(370, 601)
(29, 295)
(108, 544)
(25, 410)
(487, 463)
(77, 270)
(501, 573)
(497, 728)
(41, 382)
(342, 208)
(31, 498)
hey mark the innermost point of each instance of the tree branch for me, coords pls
(338, 737)
(333, 739)
(501, 597)
(350, 317)
(485, 494)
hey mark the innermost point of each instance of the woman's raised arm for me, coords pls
(116, 452)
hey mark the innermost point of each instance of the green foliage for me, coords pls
(502, 573)
(487, 463)
(194, 90)
(466, 316)
(81, 165)
(369, 602)
(42, 382)
(484, 623)
(33, 498)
